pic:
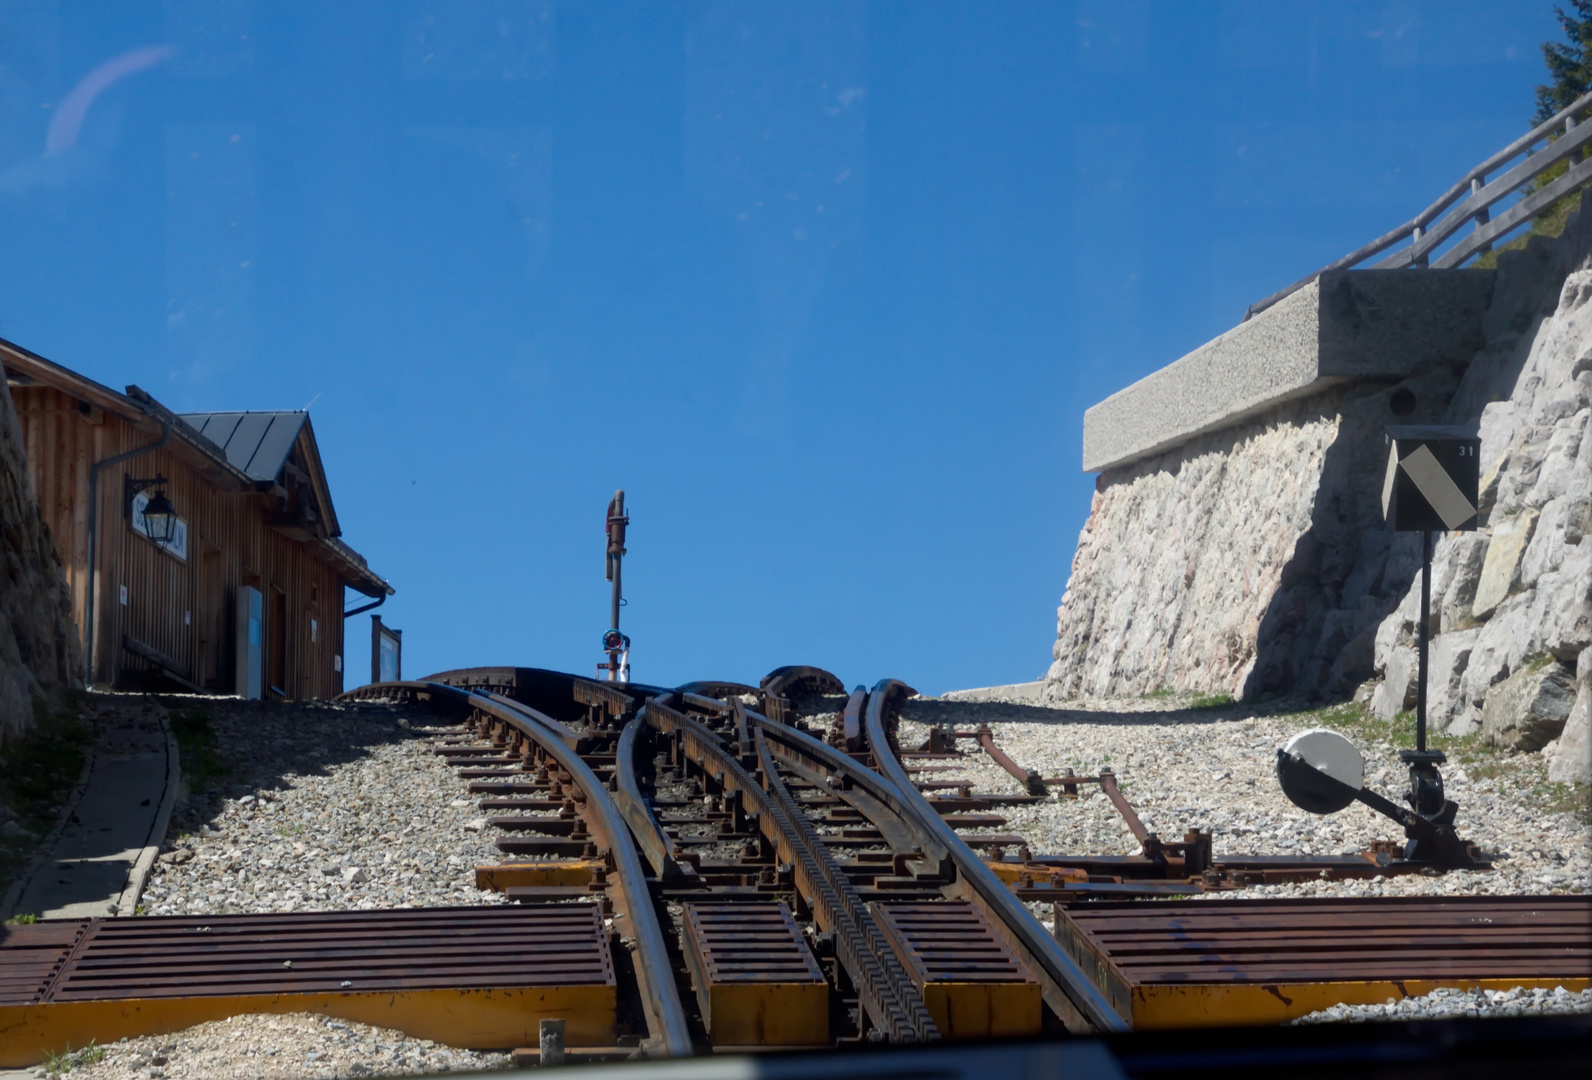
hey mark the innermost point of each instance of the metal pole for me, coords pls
(1425, 633)
(551, 1034)
(613, 609)
(616, 554)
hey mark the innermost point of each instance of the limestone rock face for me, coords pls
(1528, 710)
(1398, 688)
(1533, 593)
(1501, 568)
(1255, 559)
(38, 643)
(1572, 761)
(1447, 659)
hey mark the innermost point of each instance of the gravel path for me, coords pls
(323, 806)
(1214, 768)
(292, 1046)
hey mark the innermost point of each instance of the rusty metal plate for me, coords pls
(1258, 961)
(756, 981)
(973, 984)
(192, 956)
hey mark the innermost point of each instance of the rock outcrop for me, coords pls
(1255, 560)
(1570, 759)
(39, 654)
(1517, 593)
(1527, 710)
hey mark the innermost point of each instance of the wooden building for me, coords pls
(255, 537)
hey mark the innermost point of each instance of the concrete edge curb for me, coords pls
(47, 845)
(1009, 693)
(138, 877)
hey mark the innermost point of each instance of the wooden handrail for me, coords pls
(1471, 200)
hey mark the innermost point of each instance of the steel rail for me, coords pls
(1482, 196)
(888, 995)
(644, 825)
(1070, 992)
(660, 998)
(846, 771)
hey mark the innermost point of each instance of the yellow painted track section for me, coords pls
(1012, 873)
(567, 872)
(1230, 1004)
(769, 1014)
(973, 1010)
(472, 1019)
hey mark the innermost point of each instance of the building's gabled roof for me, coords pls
(253, 452)
(256, 443)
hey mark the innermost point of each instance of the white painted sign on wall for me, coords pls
(177, 545)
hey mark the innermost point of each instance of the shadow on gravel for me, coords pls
(1139, 713)
(232, 748)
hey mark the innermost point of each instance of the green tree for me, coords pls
(1569, 63)
(1570, 69)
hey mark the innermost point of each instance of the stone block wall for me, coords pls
(1254, 560)
(39, 653)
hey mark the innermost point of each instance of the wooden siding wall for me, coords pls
(62, 443)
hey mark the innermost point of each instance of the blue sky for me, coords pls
(825, 286)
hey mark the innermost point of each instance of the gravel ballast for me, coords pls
(324, 807)
(1214, 768)
(290, 1046)
(328, 806)
(1445, 1004)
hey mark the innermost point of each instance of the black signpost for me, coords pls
(1430, 486)
(615, 644)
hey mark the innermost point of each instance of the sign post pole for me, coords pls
(616, 644)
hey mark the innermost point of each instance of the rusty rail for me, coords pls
(666, 1020)
(1032, 782)
(1068, 991)
(1108, 784)
(892, 1001)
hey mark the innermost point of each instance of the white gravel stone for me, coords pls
(1215, 769)
(327, 807)
(1443, 1004)
(291, 1046)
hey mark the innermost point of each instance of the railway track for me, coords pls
(720, 866)
(795, 891)
(791, 876)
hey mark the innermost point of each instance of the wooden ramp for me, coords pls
(1219, 962)
(478, 978)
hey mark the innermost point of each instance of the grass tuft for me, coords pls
(69, 1059)
(196, 742)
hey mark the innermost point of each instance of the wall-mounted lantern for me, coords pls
(160, 519)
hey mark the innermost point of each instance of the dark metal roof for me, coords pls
(256, 443)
